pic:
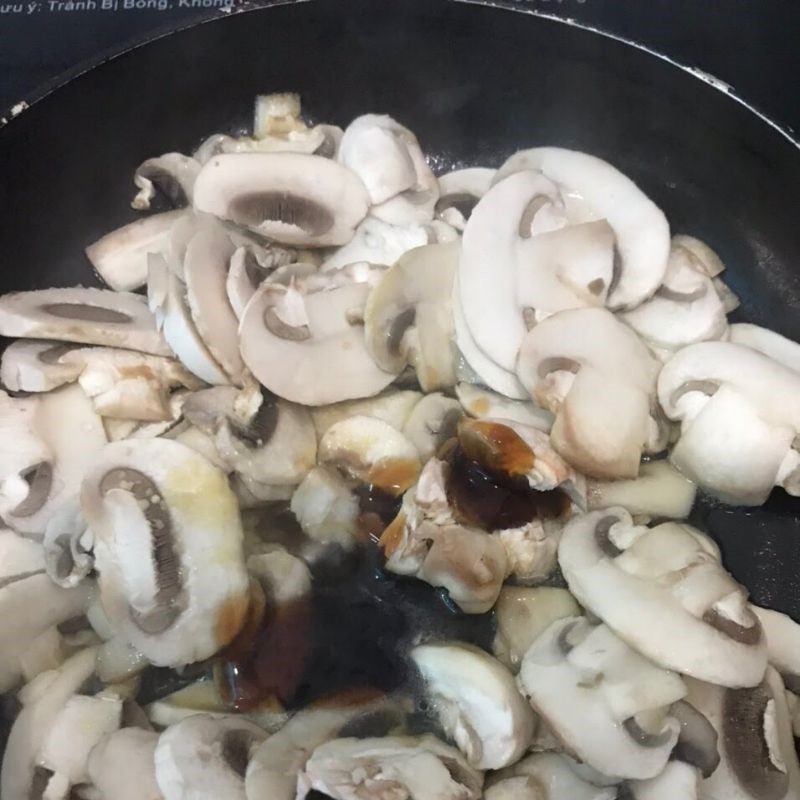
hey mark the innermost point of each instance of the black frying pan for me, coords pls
(475, 84)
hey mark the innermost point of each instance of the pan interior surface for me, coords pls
(475, 84)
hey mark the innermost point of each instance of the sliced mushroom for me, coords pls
(735, 406)
(73, 733)
(303, 347)
(758, 761)
(67, 546)
(173, 175)
(391, 406)
(205, 270)
(677, 780)
(326, 508)
(659, 491)
(522, 614)
(483, 403)
(459, 192)
(42, 701)
(476, 701)
(245, 275)
(777, 347)
(605, 703)
(545, 776)
(73, 449)
(91, 316)
(419, 768)
(291, 198)
(167, 297)
(120, 257)
(371, 451)
(783, 644)
(168, 549)
(30, 365)
(640, 228)
(691, 615)
(408, 319)
(684, 309)
(432, 421)
(377, 242)
(30, 604)
(598, 378)
(277, 113)
(121, 765)
(494, 376)
(202, 755)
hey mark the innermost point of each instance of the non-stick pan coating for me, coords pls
(474, 83)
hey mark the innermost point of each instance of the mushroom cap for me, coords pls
(90, 316)
(589, 688)
(408, 319)
(691, 615)
(640, 227)
(420, 767)
(312, 355)
(205, 756)
(205, 268)
(168, 549)
(122, 765)
(292, 198)
(371, 451)
(522, 614)
(120, 257)
(477, 702)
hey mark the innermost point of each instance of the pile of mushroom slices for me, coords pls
(506, 384)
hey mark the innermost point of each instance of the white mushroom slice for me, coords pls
(73, 449)
(783, 644)
(777, 347)
(320, 140)
(758, 757)
(378, 149)
(202, 443)
(67, 546)
(377, 242)
(205, 270)
(641, 230)
(287, 273)
(168, 549)
(30, 604)
(127, 385)
(75, 730)
(244, 277)
(522, 614)
(120, 257)
(477, 703)
(303, 347)
(205, 757)
(659, 491)
(483, 403)
(493, 375)
(291, 198)
(91, 316)
(326, 508)
(417, 768)
(691, 616)
(277, 113)
(677, 780)
(416, 205)
(42, 702)
(431, 423)
(685, 308)
(172, 174)
(30, 365)
(408, 317)
(459, 192)
(606, 704)
(735, 405)
(705, 257)
(598, 378)
(284, 578)
(167, 296)
(371, 451)
(252, 494)
(121, 765)
(392, 406)
(48, 651)
(546, 776)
